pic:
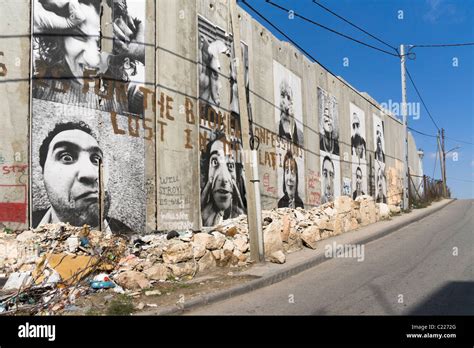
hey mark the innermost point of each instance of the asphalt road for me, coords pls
(424, 268)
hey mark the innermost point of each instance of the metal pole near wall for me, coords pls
(405, 129)
(253, 211)
(443, 151)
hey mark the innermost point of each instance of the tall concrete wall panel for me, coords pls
(14, 113)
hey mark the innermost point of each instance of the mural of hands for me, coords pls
(46, 17)
(129, 37)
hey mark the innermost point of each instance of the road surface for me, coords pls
(424, 268)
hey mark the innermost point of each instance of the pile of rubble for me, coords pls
(49, 267)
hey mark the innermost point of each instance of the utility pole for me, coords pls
(445, 188)
(254, 217)
(405, 126)
(441, 156)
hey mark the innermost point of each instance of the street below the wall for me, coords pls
(425, 268)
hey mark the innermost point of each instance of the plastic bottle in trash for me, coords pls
(102, 284)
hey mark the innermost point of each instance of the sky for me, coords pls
(444, 76)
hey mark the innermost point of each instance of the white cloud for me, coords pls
(442, 8)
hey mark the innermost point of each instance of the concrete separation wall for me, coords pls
(161, 148)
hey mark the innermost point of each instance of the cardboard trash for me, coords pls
(71, 268)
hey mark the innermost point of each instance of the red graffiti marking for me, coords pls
(8, 169)
(266, 184)
(313, 179)
(314, 198)
(13, 211)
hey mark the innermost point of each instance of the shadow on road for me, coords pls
(456, 298)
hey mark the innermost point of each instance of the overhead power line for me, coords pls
(447, 45)
(309, 55)
(417, 131)
(327, 28)
(354, 25)
(460, 141)
(380, 40)
(421, 98)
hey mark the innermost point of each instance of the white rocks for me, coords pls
(157, 272)
(394, 209)
(206, 240)
(182, 269)
(384, 210)
(228, 245)
(132, 280)
(26, 236)
(220, 239)
(343, 204)
(310, 236)
(241, 244)
(272, 238)
(277, 257)
(178, 252)
(206, 262)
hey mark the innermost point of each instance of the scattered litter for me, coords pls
(152, 292)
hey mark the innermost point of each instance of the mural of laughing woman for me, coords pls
(291, 198)
(223, 190)
(66, 54)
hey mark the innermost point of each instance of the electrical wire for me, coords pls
(417, 131)
(354, 25)
(310, 56)
(327, 28)
(447, 45)
(459, 141)
(421, 98)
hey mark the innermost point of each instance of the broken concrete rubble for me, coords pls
(61, 259)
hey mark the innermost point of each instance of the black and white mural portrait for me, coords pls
(358, 151)
(379, 139)
(291, 178)
(380, 182)
(359, 180)
(358, 142)
(379, 162)
(289, 104)
(330, 177)
(71, 68)
(81, 95)
(328, 123)
(222, 170)
(66, 152)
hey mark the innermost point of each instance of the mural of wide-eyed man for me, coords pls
(222, 170)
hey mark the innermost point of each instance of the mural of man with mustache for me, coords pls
(379, 153)
(222, 195)
(327, 182)
(358, 189)
(380, 198)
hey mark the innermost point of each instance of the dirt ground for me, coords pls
(171, 293)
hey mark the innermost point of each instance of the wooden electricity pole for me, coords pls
(253, 211)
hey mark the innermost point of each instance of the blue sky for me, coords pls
(448, 91)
